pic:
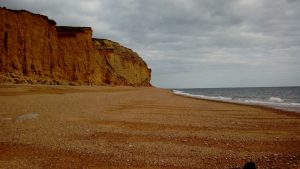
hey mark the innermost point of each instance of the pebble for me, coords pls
(130, 145)
(28, 116)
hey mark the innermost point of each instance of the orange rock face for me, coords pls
(35, 50)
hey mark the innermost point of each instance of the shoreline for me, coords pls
(276, 110)
(263, 106)
(139, 127)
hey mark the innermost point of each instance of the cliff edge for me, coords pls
(35, 50)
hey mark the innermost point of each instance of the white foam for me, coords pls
(222, 98)
(295, 104)
(281, 103)
(276, 99)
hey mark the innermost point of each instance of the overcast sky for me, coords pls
(194, 43)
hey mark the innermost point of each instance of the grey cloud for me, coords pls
(194, 43)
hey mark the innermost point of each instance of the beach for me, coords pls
(48, 126)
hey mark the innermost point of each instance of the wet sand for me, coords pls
(126, 127)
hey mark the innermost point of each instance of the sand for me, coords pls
(127, 127)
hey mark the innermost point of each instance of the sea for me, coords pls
(284, 98)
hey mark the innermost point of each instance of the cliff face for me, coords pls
(77, 56)
(28, 44)
(35, 50)
(125, 62)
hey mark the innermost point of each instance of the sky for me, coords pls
(194, 43)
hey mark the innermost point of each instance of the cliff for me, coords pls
(35, 50)
(124, 62)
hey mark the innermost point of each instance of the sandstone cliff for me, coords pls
(35, 50)
(124, 62)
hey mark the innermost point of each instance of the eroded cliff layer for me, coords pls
(124, 63)
(35, 50)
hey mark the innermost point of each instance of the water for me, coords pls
(286, 98)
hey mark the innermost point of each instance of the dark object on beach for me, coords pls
(249, 165)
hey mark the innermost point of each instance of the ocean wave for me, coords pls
(273, 103)
(202, 96)
(295, 104)
(276, 99)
